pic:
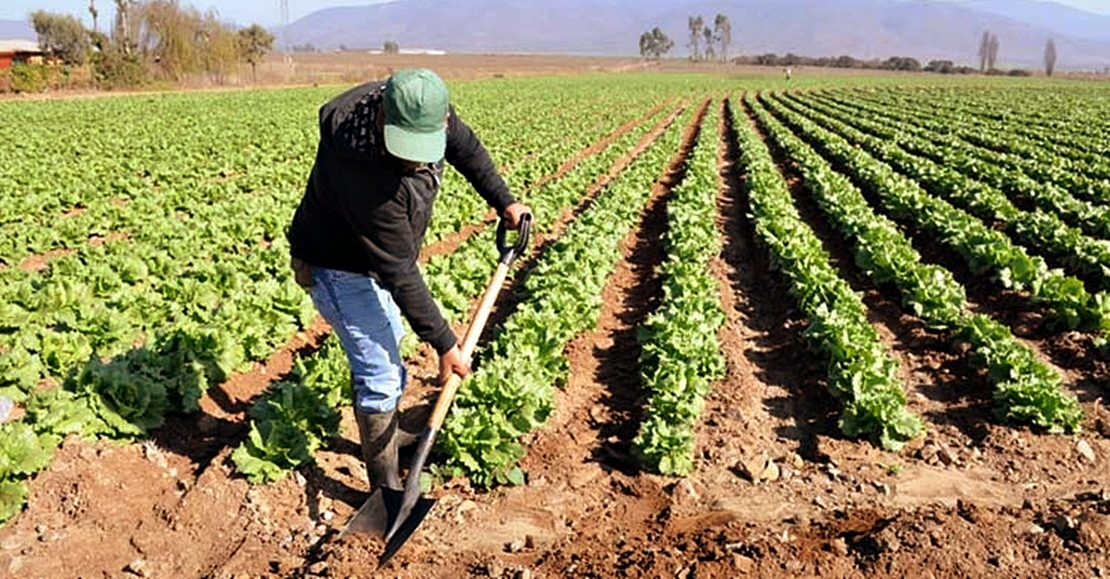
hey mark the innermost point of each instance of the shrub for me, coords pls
(114, 70)
(29, 77)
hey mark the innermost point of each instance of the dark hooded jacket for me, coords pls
(363, 213)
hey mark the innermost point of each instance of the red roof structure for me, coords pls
(18, 51)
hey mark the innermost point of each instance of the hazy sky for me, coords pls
(269, 12)
(241, 11)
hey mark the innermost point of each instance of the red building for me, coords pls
(18, 51)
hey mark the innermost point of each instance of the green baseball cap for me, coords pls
(416, 102)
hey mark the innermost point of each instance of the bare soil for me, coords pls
(777, 491)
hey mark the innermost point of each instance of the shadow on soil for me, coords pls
(766, 309)
(619, 363)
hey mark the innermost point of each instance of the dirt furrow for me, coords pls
(601, 403)
(771, 406)
(749, 412)
(771, 323)
(40, 262)
(584, 453)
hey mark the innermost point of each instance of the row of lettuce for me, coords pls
(681, 355)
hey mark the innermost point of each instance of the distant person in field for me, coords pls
(787, 72)
(359, 228)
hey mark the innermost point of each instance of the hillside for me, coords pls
(1070, 21)
(863, 28)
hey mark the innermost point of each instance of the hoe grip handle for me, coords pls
(509, 253)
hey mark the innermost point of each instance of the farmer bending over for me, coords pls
(358, 231)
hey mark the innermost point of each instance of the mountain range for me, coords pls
(1050, 15)
(924, 29)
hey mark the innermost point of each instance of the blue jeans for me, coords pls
(368, 324)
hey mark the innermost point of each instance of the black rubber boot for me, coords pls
(405, 439)
(379, 448)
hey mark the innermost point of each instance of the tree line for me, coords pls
(900, 63)
(988, 55)
(705, 43)
(655, 44)
(708, 39)
(150, 40)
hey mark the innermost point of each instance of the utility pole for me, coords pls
(285, 24)
(287, 53)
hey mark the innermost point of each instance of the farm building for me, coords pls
(17, 51)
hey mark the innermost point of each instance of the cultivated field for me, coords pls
(838, 326)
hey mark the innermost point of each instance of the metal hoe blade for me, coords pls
(405, 529)
(376, 515)
(410, 499)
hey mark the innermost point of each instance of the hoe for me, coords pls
(394, 514)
